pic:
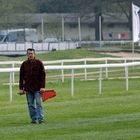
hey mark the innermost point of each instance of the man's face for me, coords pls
(30, 55)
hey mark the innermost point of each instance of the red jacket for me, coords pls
(32, 75)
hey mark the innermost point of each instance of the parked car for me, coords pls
(51, 39)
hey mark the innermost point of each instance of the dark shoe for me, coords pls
(34, 122)
(41, 121)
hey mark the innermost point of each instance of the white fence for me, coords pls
(84, 61)
(20, 48)
(72, 68)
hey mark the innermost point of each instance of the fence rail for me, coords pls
(74, 67)
(84, 61)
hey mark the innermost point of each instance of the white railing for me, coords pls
(72, 68)
(85, 61)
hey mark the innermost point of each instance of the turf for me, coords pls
(86, 116)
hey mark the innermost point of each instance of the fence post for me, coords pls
(72, 82)
(100, 81)
(13, 74)
(85, 62)
(125, 60)
(106, 69)
(10, 79)
(126, 76)
(62, 72)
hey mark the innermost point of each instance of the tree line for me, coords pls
(65, 6)
(82, 7)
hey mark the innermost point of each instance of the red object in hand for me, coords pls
(48, 94)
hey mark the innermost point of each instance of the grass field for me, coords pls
(86, 116)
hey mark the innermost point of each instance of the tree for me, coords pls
(18, 6)
(82, 7)
(59, 6)
(10, 7)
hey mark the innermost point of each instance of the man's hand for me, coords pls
(42, 90)
(21, 92)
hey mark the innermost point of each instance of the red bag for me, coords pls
(48, 94)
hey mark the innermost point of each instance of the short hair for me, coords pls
(30, 49)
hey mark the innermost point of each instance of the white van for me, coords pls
(18, 35)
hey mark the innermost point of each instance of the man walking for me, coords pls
(32, 82)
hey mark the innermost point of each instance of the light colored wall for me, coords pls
(87, 33)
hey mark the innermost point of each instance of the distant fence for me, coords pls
(108, 42)
(74, 67)
(18, 48)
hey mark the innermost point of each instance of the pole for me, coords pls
(11, 86)
(72, 82)
(133, 47)
(62, 71)
(42, 29)
(100, 81)
(126, 77)
(79, 29)
(100, 31)
(63, 32)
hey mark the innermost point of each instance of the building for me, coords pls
(67, 27)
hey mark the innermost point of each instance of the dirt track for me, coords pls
(125, 54)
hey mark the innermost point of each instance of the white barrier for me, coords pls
(22, 47)
(72, 68)
(84, 60)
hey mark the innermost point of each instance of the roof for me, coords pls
(68, 18)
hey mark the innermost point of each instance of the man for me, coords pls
(32, 82)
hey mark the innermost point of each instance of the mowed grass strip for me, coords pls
(87, 115)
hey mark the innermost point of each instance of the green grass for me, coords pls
(85, 116)
(59, 55)
(70, 54)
